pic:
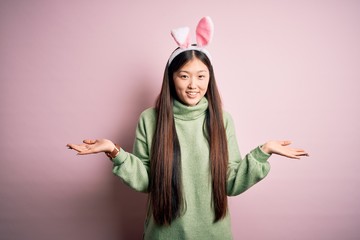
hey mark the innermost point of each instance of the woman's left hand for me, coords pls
(282, 148)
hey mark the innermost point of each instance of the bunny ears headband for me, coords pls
(204, 33)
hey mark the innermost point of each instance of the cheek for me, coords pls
(204, 85)
(178, 87)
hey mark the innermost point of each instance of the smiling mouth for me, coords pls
(192, 94)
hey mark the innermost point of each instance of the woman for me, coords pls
(185, 152)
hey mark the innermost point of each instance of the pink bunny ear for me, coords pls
(204, 31)
(181, 36)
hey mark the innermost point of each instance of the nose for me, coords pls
(192, 84)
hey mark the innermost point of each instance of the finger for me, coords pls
(290, 154)
(285, 143)
(301, 154)
(71, 146)
(293, 156)
(89, 141)
(77, 148)
(82, 153)
(85, 152)
(299, 150)
(80, 147)
(304, 155)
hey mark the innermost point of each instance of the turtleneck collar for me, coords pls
(185, 112)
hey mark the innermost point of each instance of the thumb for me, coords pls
(89, 141)
(285, 143)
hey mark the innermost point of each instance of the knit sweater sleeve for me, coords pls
(245, 172)
(134, 168)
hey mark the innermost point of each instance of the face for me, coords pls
(191, 81)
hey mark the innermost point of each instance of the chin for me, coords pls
(192, 102)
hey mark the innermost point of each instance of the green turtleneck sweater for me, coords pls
(197, 222)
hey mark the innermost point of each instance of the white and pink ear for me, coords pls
(181, 36)
(204, 31)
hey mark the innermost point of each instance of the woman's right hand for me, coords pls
(93, 146)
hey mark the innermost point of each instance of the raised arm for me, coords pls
(245, 172)
(132, 168)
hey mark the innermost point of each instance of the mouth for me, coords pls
(192, 94)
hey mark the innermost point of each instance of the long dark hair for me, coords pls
(166, 193)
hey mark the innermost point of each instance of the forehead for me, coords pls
(194, 65)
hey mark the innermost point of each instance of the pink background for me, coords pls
(86, 69)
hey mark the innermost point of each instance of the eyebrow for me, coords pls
(190, 72)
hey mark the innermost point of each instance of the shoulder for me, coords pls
(148, 116)
(149, 113)
(226, 115)
(146, 124)
(227, 118)
(228, 122)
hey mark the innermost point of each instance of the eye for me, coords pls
(202, 77)
(184, 76)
